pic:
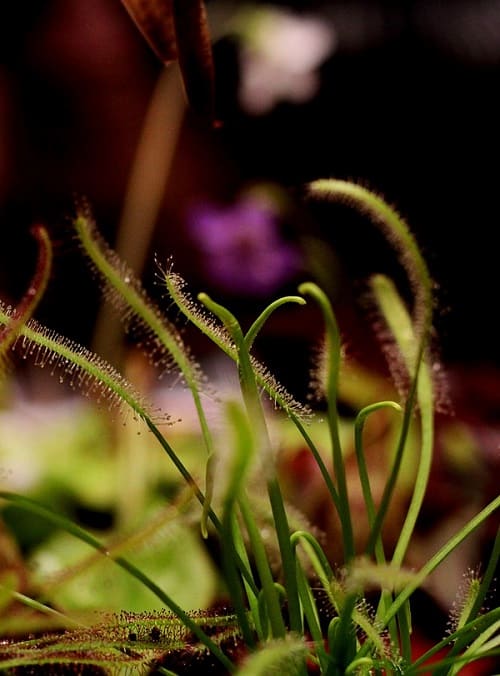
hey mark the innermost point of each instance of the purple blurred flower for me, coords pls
(242, 248)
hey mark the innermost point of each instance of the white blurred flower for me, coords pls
(280, 55)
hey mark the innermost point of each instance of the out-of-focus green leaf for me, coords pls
(83, 579)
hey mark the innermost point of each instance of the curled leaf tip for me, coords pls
(18, 317)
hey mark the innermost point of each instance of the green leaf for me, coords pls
(173, 556)
(125, 643)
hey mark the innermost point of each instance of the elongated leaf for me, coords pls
(160, 339)
(22, 313)
(218, 334)
(126, 643)
(84, 370)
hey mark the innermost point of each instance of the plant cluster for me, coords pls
(286, 605)
(289, 607)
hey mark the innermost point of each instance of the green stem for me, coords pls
(419, 578)
(195, 488)
(221, 338)
(85, 369)
(401, 327)
(405, 631)
(458, 661)
(231, 538)
(255, 413)
(361, 666)
(362, 468)
(440, 556)
(462, 639)
(316, 556)
(252, 332)
(287, 557)
(470, 629)
(233, 580)
(218, 334)
(397, 233)
(342, 648)
(393, 476)
(374, 523)
(124, 289)
(271, 595)
(42, 607)
(312, 618)
(333, 338)
(319, 460)
(184, 472)
(252, 592)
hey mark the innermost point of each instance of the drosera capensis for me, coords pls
(288, 606)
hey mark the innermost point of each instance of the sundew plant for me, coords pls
(284, 603)
(289, 607)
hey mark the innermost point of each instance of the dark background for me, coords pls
(408, 104)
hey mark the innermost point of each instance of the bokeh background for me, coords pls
(402, 96)
(404, 99)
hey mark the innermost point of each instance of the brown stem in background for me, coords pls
(178, 30)
(24, 310)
